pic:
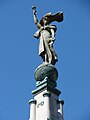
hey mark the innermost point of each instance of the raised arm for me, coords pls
(35, 17)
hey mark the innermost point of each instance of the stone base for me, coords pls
(46, 104)
(46, 70)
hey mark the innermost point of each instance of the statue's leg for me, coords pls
(46, 59)
(43, 56)
(55, 57)
(48, 52)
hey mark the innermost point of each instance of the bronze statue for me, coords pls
(46, 33)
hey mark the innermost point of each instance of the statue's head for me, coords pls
(44, 21)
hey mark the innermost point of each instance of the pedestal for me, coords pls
(46, 104)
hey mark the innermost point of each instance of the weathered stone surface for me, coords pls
(46, 70)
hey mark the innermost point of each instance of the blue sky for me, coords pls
(19, 56)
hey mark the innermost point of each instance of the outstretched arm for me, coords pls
(35, 17)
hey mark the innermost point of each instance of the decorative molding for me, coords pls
(32, 101)
(47, 94)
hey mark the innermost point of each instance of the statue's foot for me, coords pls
(54, 61)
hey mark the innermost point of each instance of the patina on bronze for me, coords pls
(46, 33)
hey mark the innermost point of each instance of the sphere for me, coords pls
(46, 70)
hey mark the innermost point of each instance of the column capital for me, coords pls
(32, 101)
(48, 94)
(60, 101)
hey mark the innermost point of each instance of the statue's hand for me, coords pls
(53, 39)
(33, 7)
(34, 10)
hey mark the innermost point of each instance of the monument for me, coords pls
(46, 104)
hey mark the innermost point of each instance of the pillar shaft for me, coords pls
(47, 104)
(61, 102)
(32, 103)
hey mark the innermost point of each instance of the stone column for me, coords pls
(61, 102)
(32, 103)
(46, 96)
